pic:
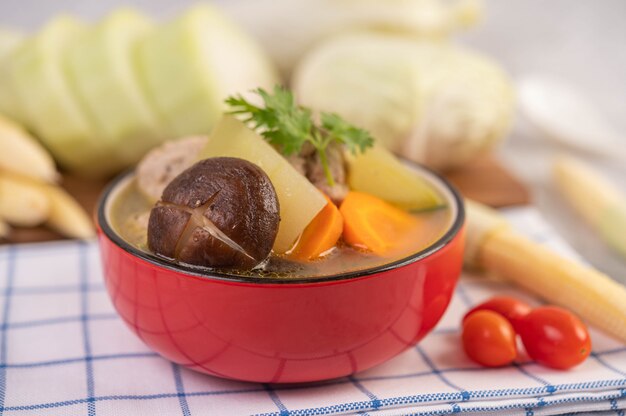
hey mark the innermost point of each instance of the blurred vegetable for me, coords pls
(599, 202)
(374, 170)
(46, 101)
(595, 297)
(66, 216)
(191, 64)
(21, 154)
(555, 337)
(100, 96)
(101, 69)
(288, 29)
(28, 195)
(21, 201)
(489, 339)
(374, 225)
(299, 200)
(320, 235)
(8, 41)
(434, 103)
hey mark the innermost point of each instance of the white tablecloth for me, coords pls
(64, 351)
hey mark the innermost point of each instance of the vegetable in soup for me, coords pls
(129, 211)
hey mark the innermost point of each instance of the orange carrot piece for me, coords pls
(375, 225)
(321, 234)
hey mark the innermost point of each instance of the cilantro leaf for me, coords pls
(279, 121)
(355, 139)
(289, 126)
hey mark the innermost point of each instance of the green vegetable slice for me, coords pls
(191, 64)
(37, 73)
(101, 65)
(380, 173)
(299, 200)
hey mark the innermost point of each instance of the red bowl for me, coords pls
(281, 331)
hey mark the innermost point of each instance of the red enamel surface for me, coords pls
(280, 332)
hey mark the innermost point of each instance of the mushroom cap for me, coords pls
(220, 212)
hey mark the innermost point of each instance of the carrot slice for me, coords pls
(375, 225)
(321, 234)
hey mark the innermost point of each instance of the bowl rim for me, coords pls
(201, 272)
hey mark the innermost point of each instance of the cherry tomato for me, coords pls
(511, 308)
(489, 339)
(555, 337)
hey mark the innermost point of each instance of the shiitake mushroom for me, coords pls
(220, 212)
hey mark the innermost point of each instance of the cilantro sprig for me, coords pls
(289, 126)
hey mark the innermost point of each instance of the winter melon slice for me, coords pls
(9, 39)
(299, 200)
(102, 70)
(378, 172)
(191, 64)
(36, 71)
(9, 105)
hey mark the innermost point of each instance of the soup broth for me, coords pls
(128, 212)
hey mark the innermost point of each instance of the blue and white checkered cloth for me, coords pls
(63, 351)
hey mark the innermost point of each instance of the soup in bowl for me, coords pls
(282, 321)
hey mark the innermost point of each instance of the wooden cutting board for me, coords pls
(483, 180)
(486, 180)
